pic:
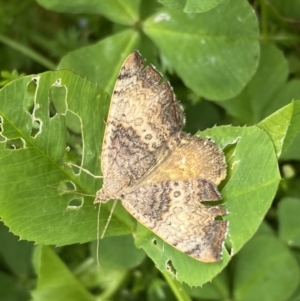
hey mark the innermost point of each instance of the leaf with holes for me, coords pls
(37, 137)
(248, 191)
(38, 201)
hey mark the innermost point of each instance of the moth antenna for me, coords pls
(98, 235)
(84, 170)
(109, 218)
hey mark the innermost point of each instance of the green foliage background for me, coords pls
(234, 65)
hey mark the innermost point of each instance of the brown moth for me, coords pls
(161, 174)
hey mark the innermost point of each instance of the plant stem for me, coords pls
(28, 52)
(264, 20)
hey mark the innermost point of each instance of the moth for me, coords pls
(161, 175)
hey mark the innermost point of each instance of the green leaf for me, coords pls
(108, 54)
(252, 179)
(191, 6)
(217, 289)
(296, 295)
(55, 281)
(288, 217)
(268, 90)
(32, 161)
(168, 259)
(292, 153)
(7, 76)
(118, 252)
(216, 51)
(122, 12)
(248, 193)
(11, 248)
(283, 126)
(265, 268)
(62, 219)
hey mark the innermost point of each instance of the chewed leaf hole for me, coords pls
(154, 241)
(15, 143)
(170, 268)
(75, 204)
(75, 140)
(66, 187)
(1, 130)
(57, 104)
(57, 83)
(219, 217)
(28, 100)
(36, 79)
(36, 128)
(213, 203)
